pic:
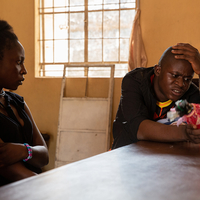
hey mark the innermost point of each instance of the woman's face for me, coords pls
(12, 69)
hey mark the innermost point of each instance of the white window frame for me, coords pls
(40, 68)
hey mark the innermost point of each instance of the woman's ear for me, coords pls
(157, 70)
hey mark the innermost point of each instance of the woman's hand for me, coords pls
(16, 172)
(11, 164)
(189, 53)
(11, 153)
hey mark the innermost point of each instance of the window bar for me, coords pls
(53, 33)
(66, 17)
(86, 39)
(43, 43)
(39, 40)
(41, 70)
(86, 45)
(63, 12)
(102, 30)
(69, 25)
(119, 33)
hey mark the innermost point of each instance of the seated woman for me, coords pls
(22, 148)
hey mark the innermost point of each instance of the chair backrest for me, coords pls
(84, 123)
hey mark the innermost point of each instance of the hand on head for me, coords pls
(189, 53)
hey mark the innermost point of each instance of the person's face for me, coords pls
(173, 80)
(12, 69)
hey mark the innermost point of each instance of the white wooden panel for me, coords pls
(77, 145)
(84, 113)
(84, 124)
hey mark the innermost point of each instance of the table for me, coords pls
(145, 170)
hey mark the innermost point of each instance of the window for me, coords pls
(84, 32)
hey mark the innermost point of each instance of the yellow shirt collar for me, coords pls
(163, 104)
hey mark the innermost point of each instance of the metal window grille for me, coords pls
(84, 32)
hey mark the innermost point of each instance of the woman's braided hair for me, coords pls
(7, 37)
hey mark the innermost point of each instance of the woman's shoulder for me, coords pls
(15, 97)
